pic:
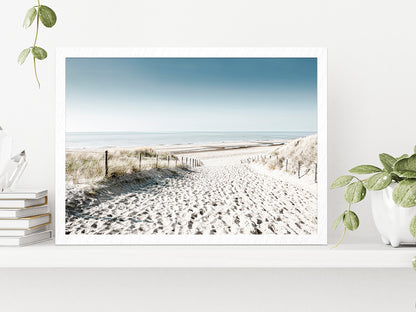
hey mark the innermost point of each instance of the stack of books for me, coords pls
(24, 218)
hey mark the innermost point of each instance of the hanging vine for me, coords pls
(47, 16)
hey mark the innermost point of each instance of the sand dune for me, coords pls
(224, 196)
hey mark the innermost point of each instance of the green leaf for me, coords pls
(338, 220)
(404, 194)
(403, 156)
(406, 164)
(378, 181)
(351, 221)
(406, 174)
(39, 53)
(412, 227)
(342, 181)
(47, 16)
(30, 17)
(355, 192)
(395, 177)
(406, 167)
(387, 161)
(22, 56)
(365, 169)
(414, 263)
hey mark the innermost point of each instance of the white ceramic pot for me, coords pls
(391, 220)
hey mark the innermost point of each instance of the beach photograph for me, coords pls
(191, 146)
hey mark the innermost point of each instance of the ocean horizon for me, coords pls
(85, 140)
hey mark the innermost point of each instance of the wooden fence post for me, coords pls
(176, 162)
(286, 164)
(316, 173)
(298, 169)
(140, 162)
(157, 158)
(168, 160)
(106, 163)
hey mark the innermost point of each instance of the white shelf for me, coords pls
(47, 255)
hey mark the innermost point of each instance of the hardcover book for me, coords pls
(25, 240)
(25, 223)
(23, 212)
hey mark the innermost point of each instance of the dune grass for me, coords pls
(287, 157)
(87, 166)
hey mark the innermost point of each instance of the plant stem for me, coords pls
(343, 233)
(36, 73)
(342, 238)
(34, 44)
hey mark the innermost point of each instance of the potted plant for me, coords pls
(393, 200)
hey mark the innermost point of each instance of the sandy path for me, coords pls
(221, 197)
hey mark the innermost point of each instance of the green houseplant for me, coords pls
(47, 17)
(399, 173)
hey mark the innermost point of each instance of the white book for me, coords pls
(24, 194)
(34, 230)
(22, 203)
(25, 240)
(25, 223)
(22, 213)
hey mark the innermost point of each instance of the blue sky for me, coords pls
(191, 94)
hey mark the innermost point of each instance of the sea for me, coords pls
(91, 140)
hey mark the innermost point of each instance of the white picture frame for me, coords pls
(319, 238)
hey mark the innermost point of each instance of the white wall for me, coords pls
(371, 99)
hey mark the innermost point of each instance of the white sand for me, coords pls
(224, 196)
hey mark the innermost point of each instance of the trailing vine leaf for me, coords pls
(412, 226)
(338, 220)
(22, 56)
(404, 194)
(355, 192)
(365, 169)
(378, 181)
(39, 53)
(387, 161)
(342, 181)
(351, 220)
(30, 17)
(47, 16)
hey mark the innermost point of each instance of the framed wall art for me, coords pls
(191, 146)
